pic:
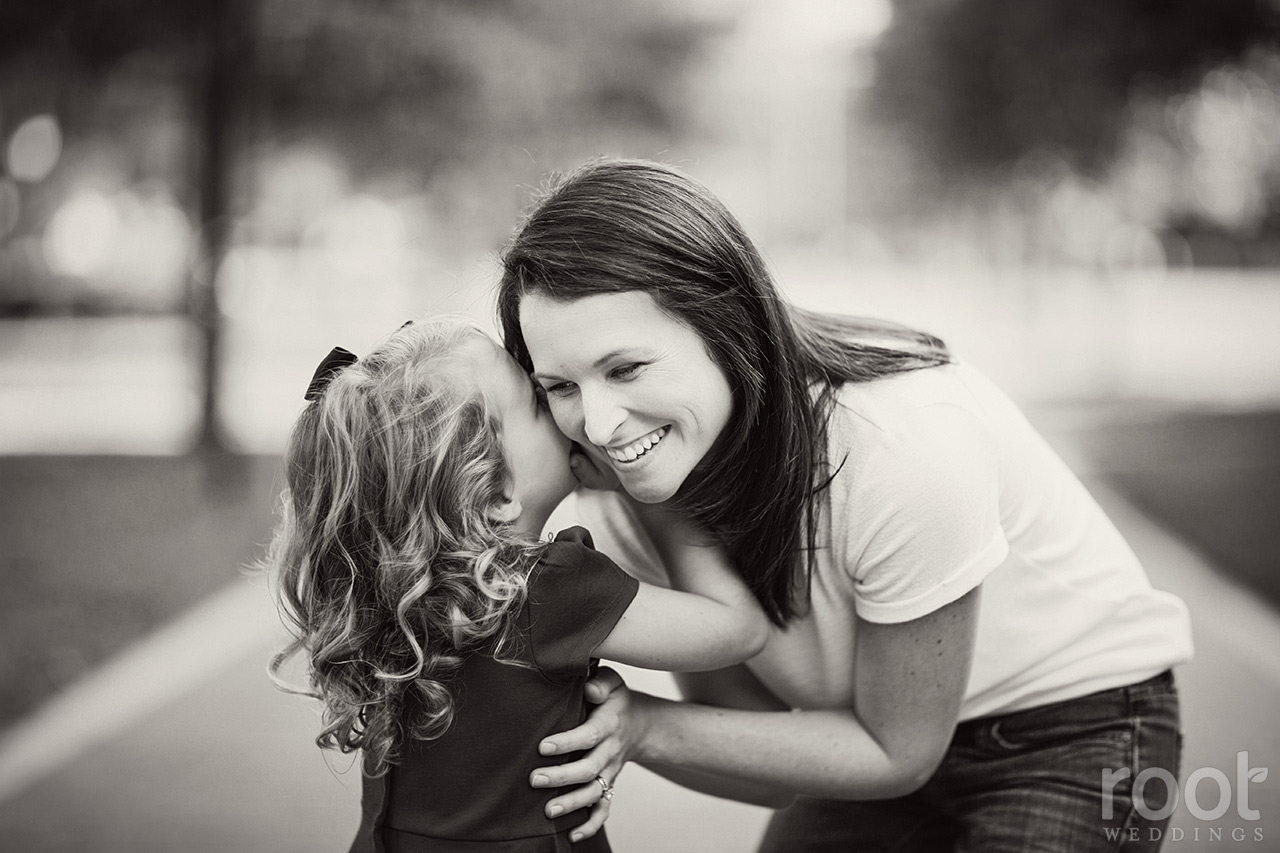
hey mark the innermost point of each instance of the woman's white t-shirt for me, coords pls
(942, 486)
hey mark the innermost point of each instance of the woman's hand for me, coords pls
(609, 736)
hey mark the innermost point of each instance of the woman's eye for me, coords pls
(559, 389)
(626, 371)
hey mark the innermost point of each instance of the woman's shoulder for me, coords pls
(903, 407)
(882, 402)
(918, 487)
(615, 531)
(914, 426)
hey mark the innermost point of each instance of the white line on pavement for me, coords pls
(167, 664)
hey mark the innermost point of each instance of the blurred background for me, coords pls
(199, 199)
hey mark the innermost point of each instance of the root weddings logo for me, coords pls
(1197, 794)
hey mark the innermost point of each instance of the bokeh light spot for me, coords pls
(363, 236)
(79, 237)
(34, 148)
(870, 18)
(151, 250)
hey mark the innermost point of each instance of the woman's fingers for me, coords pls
(599, 815)
(579, 798)
(601, 685)
(586, 736)
(584, 795)
(601, 737)
(605, 689)
(579, 772)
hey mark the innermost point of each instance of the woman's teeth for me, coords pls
(636, 449)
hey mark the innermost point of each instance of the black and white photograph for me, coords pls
(895, 382)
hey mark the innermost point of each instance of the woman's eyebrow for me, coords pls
(541, 376)
(611, 355)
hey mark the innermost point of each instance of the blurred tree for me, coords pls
(95, 34)
(976, 85)
(426, 80)
(201, 45)
(404, 85)
(453, 87)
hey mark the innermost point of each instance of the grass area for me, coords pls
(1211, 477)
(100, 550)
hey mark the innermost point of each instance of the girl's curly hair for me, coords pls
(386, 564)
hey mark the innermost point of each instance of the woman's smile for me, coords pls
(629, 454)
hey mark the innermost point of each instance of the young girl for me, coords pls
(443, 636)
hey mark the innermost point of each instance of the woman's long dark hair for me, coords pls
(616, 226)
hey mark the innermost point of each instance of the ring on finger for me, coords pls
(606, 790)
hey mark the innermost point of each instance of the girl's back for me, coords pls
(445, 638)
(472, 783)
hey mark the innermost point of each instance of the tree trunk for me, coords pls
(220, 84)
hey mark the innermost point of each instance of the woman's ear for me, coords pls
(504, 510)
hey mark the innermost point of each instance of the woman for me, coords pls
(963, 644)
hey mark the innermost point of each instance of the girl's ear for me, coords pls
(505, 510)
(506, 507)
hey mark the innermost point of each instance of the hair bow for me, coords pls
(337, 359)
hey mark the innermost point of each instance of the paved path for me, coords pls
(183, 744)
(170, 748)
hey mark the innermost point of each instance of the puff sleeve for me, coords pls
(576, 597)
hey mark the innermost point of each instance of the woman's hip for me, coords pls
(1090, 773)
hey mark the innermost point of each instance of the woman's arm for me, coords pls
(910, 679)
(709, 619)
(731, 687)
(734, 687)
(726, 787)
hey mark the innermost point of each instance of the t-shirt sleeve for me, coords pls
(576, 597)
(927, 509)
(616, 532)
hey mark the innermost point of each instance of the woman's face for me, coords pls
(631, 384)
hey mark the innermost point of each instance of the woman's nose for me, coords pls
(601, 416)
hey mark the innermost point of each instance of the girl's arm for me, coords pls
(707, 620)
(910, 679)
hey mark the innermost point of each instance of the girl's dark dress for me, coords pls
(468, 790)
